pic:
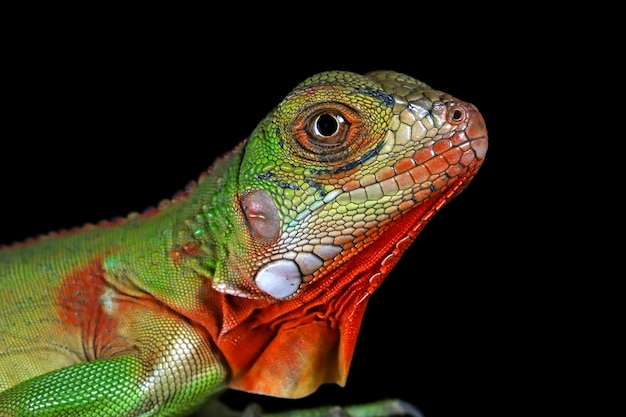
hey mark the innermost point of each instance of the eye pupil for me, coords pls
(325, 131)
(326, 125)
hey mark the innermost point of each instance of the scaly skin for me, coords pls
(256, 277)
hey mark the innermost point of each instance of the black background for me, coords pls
(104, 120)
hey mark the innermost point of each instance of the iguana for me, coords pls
(253, 278)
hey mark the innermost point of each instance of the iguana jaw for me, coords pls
(305, 342)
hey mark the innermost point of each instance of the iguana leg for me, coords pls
(171, 367)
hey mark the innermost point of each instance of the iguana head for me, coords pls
(332, 187)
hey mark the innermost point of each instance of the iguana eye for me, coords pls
(328, 128)
(328, 132)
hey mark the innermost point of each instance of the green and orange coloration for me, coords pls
(256, 277)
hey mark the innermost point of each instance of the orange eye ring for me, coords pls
(327, 128)
(326, 132)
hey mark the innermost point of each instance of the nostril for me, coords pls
(457, 115)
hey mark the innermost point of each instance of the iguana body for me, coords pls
(255, 277)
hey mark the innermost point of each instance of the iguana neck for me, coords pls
(210, 218)
(186, 238)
